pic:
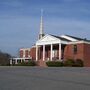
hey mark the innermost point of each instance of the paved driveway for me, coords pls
(38, 78)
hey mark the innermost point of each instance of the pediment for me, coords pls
(48, 38)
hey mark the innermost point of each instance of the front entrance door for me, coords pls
(54, 54)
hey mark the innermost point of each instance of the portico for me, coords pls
(50, 48)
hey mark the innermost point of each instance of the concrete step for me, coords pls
(41, 63)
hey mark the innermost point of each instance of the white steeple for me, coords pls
(41, 33)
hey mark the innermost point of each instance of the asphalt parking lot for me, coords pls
(39, 78)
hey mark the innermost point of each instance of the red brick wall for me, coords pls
(21, 53)
(69, 52)
(33, 53)
(87, 55)
(83, 53)
(26, 53)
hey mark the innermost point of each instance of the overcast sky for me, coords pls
(20, 21)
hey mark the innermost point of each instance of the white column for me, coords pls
(59, 51)
(43, 52)
(21, 60)
(36, 52)
(24, 59)
(16, 61)
(10, 61)
(39, 52)
(51, 52)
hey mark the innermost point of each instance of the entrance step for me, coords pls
(41, 63)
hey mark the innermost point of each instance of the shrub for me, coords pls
(29, 63)
(74, 63)
(69, 63)
(54, 64)
(79, 63)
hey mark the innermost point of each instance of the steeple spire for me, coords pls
(41, 33)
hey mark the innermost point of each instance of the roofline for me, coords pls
(61, 38)
(21, 58)
(78, 38)
(25, 48)
(79, 42)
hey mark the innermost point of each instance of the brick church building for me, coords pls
(51, 47)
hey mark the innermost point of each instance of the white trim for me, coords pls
(77, 42)
(21, 58)
(69, 38)
(25, 48)
(16, 59)
(49, 39)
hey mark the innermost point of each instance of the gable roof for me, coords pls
(61, 38)
(83, 39)
(74, 37)
(64, 39)
(51, 39)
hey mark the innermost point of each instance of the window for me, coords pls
(75, 49)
